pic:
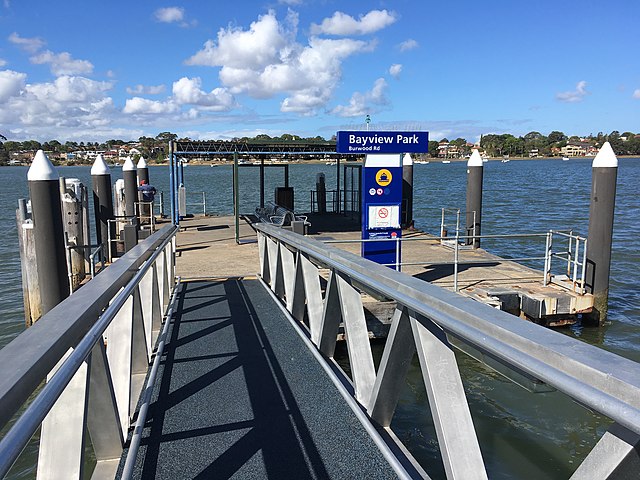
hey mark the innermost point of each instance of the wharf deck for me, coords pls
(206, 248)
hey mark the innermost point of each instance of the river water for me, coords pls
(522, 435)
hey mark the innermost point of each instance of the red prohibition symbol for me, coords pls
(383, 213)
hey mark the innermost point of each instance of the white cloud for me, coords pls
(290, 2)
(173, 15)
(11, 84)
(67, 103)
(63, 63)
(236, 48)
(187, 91)
(395, 69)
(3, 62)
(265, 60)
(146, 89)
(409, 44)
(364, 103)
(169, 14)
(636, 93)
(144, 106)
(31, 45)
(343, 24)
(574, 96)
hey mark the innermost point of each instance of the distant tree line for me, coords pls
(152, 148)
(494, 145)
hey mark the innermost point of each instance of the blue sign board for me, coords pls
(375, 142)
(382, 204)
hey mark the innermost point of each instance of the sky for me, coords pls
(86, 70)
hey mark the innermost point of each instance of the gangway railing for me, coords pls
(94, 350)
(429, 321)
(575, 255)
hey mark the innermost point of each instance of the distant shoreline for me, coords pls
(320, 162)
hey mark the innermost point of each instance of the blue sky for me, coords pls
(89, 70)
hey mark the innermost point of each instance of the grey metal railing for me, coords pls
(428, 320)
(93, 349)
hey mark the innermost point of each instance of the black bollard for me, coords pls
(321, 191)
(130, 177)
(601, 212)
(51, 258)
(407, 191)
(103, 204)
(475, 169)
(143, 170)
(143, 175)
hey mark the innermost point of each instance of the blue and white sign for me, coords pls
(382, 142)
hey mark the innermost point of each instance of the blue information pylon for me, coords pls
(381, 207)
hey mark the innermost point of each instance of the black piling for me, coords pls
(600, 236)
(103, 204)
(407, 191)
(475, 169)
(130, 177)
(143, 170)
(143, 176)
(51, 259)
(321, 192)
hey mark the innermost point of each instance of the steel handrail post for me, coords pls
(584, 267)
(575, 263)
(570, 239)
(547, 260)
(455, 256)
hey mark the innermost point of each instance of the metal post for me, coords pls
(338, 184)
(261, 180)
(547, 260)
(51, 260)
(407, 191)
(204, 204)
(161, 204)
(475, 168)
(236, 197)
(601, 212)
(455, 263)
(180, 172)
(103, 203)
(172, 186)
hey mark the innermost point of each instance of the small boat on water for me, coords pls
(446, 161)
(565, 159)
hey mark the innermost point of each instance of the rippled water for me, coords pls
(522, 435)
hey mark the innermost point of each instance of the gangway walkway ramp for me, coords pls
(238, 394)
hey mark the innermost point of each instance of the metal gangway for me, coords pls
(237, 377)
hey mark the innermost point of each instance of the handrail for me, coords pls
(600, 380)
(77, 322)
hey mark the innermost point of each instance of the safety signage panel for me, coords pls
(382, 142)
(384, 216)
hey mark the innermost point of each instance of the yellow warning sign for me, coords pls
(383, 177)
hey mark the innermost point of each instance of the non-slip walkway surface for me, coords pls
(238, 395)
